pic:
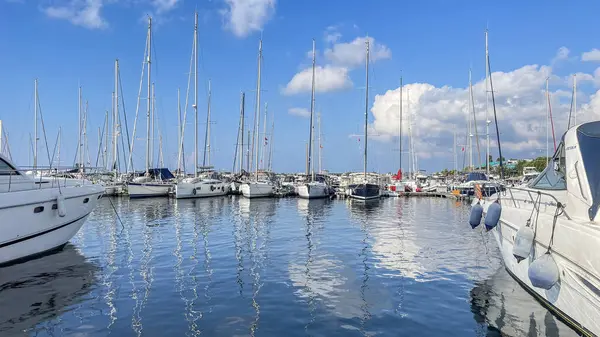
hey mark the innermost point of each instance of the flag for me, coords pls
(463, 149)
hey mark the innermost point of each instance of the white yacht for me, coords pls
(205, 185)
(314, 189)
(42, 214)
(155, 183)
(548, 231)
(258, 188)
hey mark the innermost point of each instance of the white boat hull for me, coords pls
(576, 297)
(257, 189)
(312, 191)
(31, 224)
(147, 190)
(200, 190)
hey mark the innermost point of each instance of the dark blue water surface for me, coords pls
(272, 267)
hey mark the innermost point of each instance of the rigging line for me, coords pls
(55, 146)
(101, 142)
(45, 138)
(495, 118)
(124, 116)
(475, 125)
(571, 109)
(559, 211)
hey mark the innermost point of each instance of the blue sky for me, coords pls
(431, 43)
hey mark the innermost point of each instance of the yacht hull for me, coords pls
(257, 190)
(575, 299)
(199, 190)
(35, 227)
(313, 191)
(365, 192)
(147, 190)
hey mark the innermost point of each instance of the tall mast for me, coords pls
(178, 133)
(320, 146)
(149, 103)
(116, 120)
(575, 98)
(35, 119)
(85, 139)
(58, 150)
(454, 153)
(195, 106)
(400, 130)
(472, 112)
(487, 119)
(153, 122)
(312, 107)
(104, 139)
(206, 159)
(80, 140)
(547, 123)
(271, 143)
(242, 108)
(255, 147)
(366, 108)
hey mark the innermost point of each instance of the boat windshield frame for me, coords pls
(588, 137)
(550, 178)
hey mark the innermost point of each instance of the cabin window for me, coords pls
(6, 169)
(86, 200)
(38, 209)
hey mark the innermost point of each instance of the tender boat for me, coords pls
(42, 214)
(548, 231)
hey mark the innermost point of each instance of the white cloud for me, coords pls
(436, 112)
(561, 55)
(328, 78)
(243, 17)
(352, 54)
(302, 112)
(332, 35)
(85, 13)
(163, 6)
(592, 55)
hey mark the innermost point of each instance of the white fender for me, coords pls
(60, 202)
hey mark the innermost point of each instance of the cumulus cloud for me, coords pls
(163, 6)
(352, 54)
(243, 17)
(302, 112)
(84, 13)
(561, 55)
(327, 78)
(435, 113)
(592, 55)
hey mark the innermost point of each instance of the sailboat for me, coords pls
(208, 183)
(365, 190)
(547, 230)
(314, 188)
(257, 186)
(156, 181)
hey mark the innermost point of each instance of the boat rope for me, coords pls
(116, 213)
(536, 207)
(558, 212)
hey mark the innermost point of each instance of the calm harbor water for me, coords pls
(272, 267)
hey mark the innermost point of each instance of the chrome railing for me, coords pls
(41, 177)
(532, 194)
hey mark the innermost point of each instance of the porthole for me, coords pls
(38, 209)
(55, 206)
(86, 200)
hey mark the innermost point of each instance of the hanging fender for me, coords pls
(523, 242)
(476, 214)
(492, 216)
(60, 206)
(543, 272)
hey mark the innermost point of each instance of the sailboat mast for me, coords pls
(80, 140)
(263, 154)
(153, 121)
(242, 122)
(116, 120)
(487, 119)
(271, 143)
(312, 107)
(149, 103)
(366, 108)
(255, 147)
(58, 150)
(400, 129)
(472, 112)
(575, 98)
(206, 159)
(547, 123)
(195, 106)
(35, 119)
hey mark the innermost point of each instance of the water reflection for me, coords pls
(39, 290)
(502, 308)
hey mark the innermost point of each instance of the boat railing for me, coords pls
(532, 194)
(41, 177)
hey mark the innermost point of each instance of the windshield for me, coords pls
(588, 136)
(551, 179)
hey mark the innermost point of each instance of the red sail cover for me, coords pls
(398, 176)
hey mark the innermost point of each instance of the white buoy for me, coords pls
(543, 272)
(523, 243)
(60, 206)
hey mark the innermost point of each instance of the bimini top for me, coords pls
(588, 137)
(475, 176)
